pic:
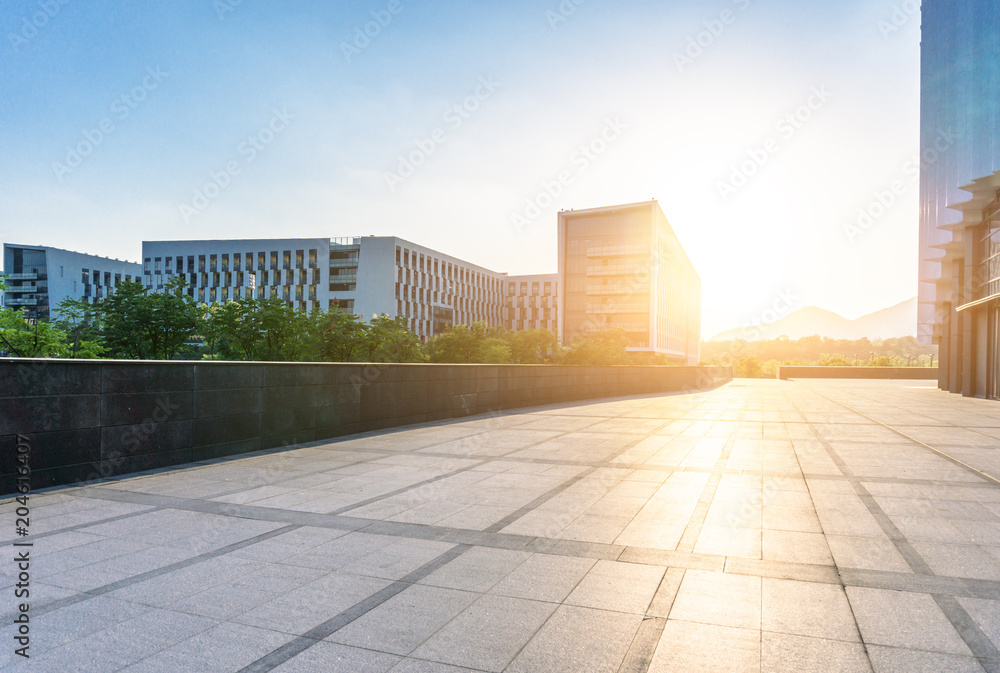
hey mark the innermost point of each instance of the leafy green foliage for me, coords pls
(821, 351)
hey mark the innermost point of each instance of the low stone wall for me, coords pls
(908, 373)
(83, 420)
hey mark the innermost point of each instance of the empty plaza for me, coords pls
(765, 526)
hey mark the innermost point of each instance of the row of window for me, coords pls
(225, 262)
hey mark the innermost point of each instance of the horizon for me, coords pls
(467, 129)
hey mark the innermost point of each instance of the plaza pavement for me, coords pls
(763, 526)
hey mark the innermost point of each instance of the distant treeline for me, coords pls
(760, 359)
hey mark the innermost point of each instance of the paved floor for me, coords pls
(764, 526)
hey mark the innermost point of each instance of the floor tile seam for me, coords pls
(967, 628)
(696, 522)
(646, 639)
(530, 507)
(96, 592)
(325, 629)
(563, 547)
(964, 625)
(76, 527)
(513, 517)
(404, 489)
(840, 575)
(983, 475)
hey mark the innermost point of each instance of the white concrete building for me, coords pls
(367, 276)
(39, 277)
(532, 302)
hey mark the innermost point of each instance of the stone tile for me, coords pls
(987, 616)
(727, 541)
(578, 640)
(720, 599)
(894, 660)
(622, 587)
(478, 569)
(807, 609)
(702, 648)
(226, 648)
(867, 553)
(783, 653)
(310, 605)
(959, 560)
(398, 559)
(544, 577)
(406, 620)
(904, 620)
(796, 547)
(797, 519)
(121, 644)
(487, 635)
(336, 658)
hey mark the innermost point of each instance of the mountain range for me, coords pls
(896, 321)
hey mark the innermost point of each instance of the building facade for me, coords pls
(40, 277)
(367, 276)
(623, 267)
(532, 302)
(959, 289)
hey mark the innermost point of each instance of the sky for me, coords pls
(778, 137)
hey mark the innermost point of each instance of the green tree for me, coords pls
(533, 346)
(469, 344)
(80, 321)
(601, 348)
(140, 325)
(748, 368)
(35, 339)
(281, 327)
(390, 340)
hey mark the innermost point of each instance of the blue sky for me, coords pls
(178, 92)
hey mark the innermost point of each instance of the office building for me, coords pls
(367, 276)
(40, 277)
(960, 193)
(532, 302)
(623, 267)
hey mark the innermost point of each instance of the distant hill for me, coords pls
(896, 321)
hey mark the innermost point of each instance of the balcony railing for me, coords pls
(345, 278)
(342, 263)
(26, 288)
(22, 276)
(23, 301)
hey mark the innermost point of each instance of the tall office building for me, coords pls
(39, 277)
(367, 276)
(960, 192)
(623, 267)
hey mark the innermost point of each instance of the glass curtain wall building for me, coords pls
(960, 192)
